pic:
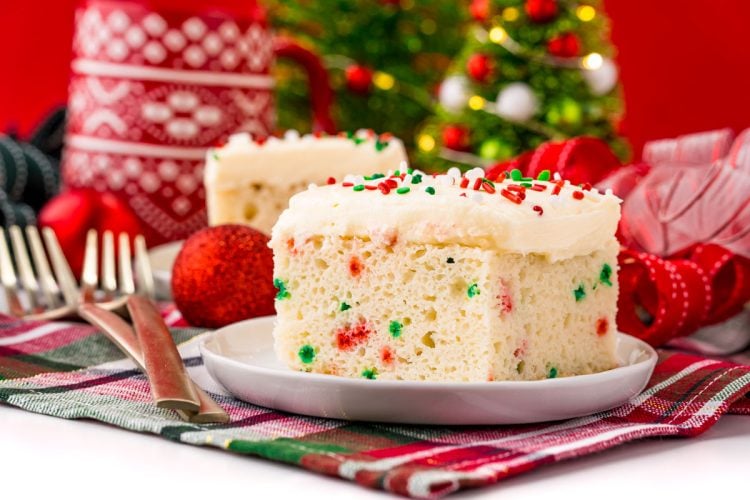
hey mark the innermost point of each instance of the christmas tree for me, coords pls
(385, 58)
(530, 71)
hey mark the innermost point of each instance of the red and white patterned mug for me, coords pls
(155, 83)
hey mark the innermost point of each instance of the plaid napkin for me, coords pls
(70, 371)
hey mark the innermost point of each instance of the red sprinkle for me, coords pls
(516, 188)
(464, 182)
(602, 326)
(477, 184)
(578, 195)
(349, 336)
(489, 187)
(331, 180)
(355, 266)
(538, 187)
(504, 299)
(391, 183)
(261, 140)
(558, 186)
(370, 187)
(347, 184)
(318, 134)
(386, 355)
(462, 194)
(539, 209)
(384, 188)
(515, 198)
(586, 186)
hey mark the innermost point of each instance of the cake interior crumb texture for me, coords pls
(391, 310)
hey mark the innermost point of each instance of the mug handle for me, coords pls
(321, 95)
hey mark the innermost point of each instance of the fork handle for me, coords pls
(171, 386)
(122, 335)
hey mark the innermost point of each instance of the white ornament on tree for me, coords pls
(602, 79)
(454, 93)
(516, 102)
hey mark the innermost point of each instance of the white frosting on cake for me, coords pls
(277, 162)
(565, 224)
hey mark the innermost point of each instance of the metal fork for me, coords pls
(151, 346)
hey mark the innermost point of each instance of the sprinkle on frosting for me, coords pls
(403, 190)
(430, 190)
(552, 373)
(543, 175)
(370, 373)
(473, 290)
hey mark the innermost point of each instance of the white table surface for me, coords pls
(47, 457)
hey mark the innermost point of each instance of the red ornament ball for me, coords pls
(541, 11)
(222, 275)
(358, 78)
(480, 9)
(455, 137)
(479, 67)
(564, 45)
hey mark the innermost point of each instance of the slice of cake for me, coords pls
(447, 278)
(251, 182)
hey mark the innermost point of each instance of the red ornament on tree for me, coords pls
(564, 45)
(72, 213)
(455, 137)
(541, 11)
(224, 274)
(479, 67)
(480, 9)
(358, 78)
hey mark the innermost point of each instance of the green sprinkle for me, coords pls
(358, 140)
(473, 290)
(215, 155)
(605, 276)
(416, 179)
(397, 173)
(520, 366)
(370, 373)
(395, 329)
(283, 293)
(526, 184)
(430, 190)
(376, 176)
(359, 187)
(451, 260)
(544, 175)
(349, 134)
(344, 307)
(306, 354)
(552, 373)
(409, 170)
(403, 190)
(516, 174)
(380, 145)
(527, 179)
(579, 293)
(507, 175)
(487, 181)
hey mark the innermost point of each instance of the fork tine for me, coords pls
(47, 282)
(25, 272)
(127, 286)
(144, 275)
(109, 281)
(90, 273)
(8, 277)
(65, 278)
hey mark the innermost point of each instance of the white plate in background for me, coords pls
(162, 259)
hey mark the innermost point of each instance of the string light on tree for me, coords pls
(426, 143)
(585, 13)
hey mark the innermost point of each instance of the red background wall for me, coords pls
(685, 65)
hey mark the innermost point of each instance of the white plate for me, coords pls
(240, 357)
(162, 259)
